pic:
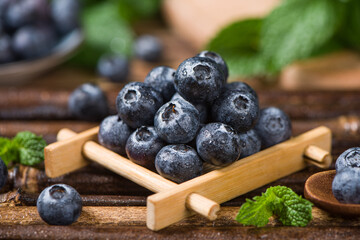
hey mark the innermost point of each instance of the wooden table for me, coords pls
(115, 207)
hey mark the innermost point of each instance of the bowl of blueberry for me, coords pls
(36, 35)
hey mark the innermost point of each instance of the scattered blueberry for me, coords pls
(178, 163)
(113, 67)
(218, 144)
(6, 54)
(162, 79)
(201, 107)
(199, 80)
(346, 185)
(250, 143)
(236, 108)
(88, 102)
(3, 173)
(148, 48)
(137, 104)
(143, 145)
(65, 14)
(59, 204)
(113, 134)
(240, 86)
(349, 158)
(273, 127)
(177, 121)
(218, 59)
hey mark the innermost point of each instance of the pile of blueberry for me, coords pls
(177, 119)
(29, 29)
(346, 183)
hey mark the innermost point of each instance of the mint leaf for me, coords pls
(132, 10)
(291, 209)
(8, 151)
(30, 148)
(296, 28)
(351, 31)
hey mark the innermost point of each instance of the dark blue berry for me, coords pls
(162, 79)
(178, 163)
(143, 145)
(241, 86)
(201, 107)
(250, 143)
(199, 80)
(148, 48)
(88, 102)
(218, 59)
(113, 67)
(137, 104)
(218, 144)
(59, 204)
(349, 158)
(236, 108)
(346, 185)
(113, 134)
(273, 127)
(66, 15)
(3, 173)
(177, 121)
(6, 54)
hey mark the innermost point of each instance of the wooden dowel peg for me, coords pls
(138, 174)
(317, 156)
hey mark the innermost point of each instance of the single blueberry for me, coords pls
(346, 185)
(250, 143)
(201, 107)
(218, 59)
(88, 102)
(137, 104)
(178, 163)
(349, 158)
(162, 79)
(236, 108)
(143, 145)
(66, 15)
(199, 80)
(218, 144)
(59, 204)
(113, 67)
(6, 54)
(177, 121)
(273, 127)
(241, 86)
(3, 173)
(148, 48)
(113, 134)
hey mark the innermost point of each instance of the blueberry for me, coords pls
(201, 107)
(113, 134)
(6, 54)
(273, 127)
(148, 48)
(137, 104)
(162, 79)
(59, 204)
(236, 108)
(218, 59)
(349, 158)
(31, 42)
(178, 163)
(88, 102)
(143, 145)
(199, 80)
(113, 67)
(3, 173)
(66, 15)
(346, 185)
(241, 86)
(218, 144)
(177, 121)
(250, 143)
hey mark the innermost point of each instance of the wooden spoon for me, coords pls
(319, 191)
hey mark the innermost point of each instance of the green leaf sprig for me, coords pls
(26, 148)
(290, 208)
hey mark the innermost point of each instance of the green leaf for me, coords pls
(350, 33)
(8, 151)
(131, 10)
(296, 28)
(30, 147)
